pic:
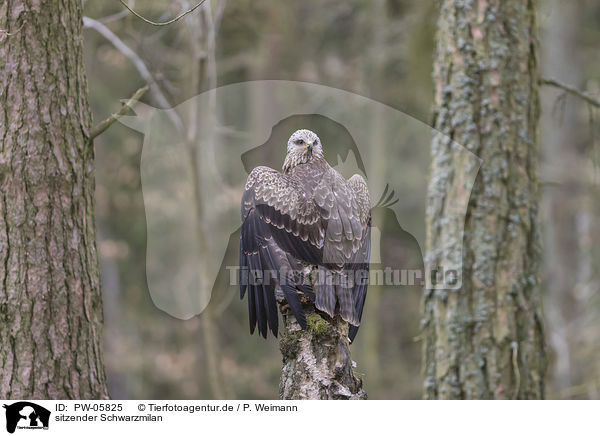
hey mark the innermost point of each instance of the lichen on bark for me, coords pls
(486, 340)
(316, 362)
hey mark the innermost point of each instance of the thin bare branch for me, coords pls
(127, 52)
(139, 64)
(105, 124)
(166, 23)
(219, 16)
(571, 90)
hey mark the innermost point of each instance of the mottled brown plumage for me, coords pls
(306, 217)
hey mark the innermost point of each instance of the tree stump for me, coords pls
(316, 361)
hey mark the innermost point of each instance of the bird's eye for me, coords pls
(299, 141)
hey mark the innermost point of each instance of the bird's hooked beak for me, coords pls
(309, 146)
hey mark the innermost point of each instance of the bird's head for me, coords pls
(305, 142)
(301, 147)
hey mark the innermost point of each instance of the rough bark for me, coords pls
(50, 299)
(316, 362)
(486, 340)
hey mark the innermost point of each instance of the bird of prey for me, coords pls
(307, 218)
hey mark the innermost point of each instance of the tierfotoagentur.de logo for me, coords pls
(26, 415)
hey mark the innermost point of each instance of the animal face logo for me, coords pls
(196, 158)
(26, 415)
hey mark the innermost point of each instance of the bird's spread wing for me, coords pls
(314, 217)
(281, 225)
(345, 208)
(360, 261)
(347, 247)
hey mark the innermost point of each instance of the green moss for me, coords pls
(316, 324)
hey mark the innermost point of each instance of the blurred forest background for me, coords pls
(383, 50)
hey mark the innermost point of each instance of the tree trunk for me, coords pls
(486, 340)
(50, 299)
(316, 362)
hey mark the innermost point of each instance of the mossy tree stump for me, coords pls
(316, 361)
